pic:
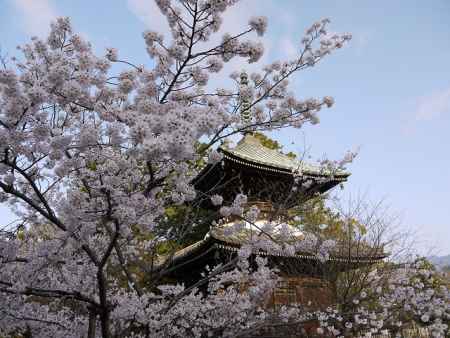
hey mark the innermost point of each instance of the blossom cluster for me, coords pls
(395, 300)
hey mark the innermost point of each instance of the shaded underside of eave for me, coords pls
(305, 256)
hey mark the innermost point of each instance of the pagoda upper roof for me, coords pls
(250, 151)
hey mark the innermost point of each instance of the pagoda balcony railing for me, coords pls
(267, 211)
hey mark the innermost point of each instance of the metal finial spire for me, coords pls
(244, 78)
(245, 104)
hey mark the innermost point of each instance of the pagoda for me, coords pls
(267, 177)
(276, 184)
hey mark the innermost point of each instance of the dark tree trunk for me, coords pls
(92, 324)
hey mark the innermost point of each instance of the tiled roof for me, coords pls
(250, 149)
(358, 251)
(217, 239)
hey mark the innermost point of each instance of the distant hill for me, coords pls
(440, 261)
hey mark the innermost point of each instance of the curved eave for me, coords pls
(260, 165)
(234, 245)
(211, 242)
(300, 256)
(181, 254)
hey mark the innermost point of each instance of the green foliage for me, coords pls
(92, 166)
(315, 212)
(267, 141)
(438, 278)
(196, 221)
(291, 155)
(201, 149)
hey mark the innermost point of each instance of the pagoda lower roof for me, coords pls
(249, 151)
(216, 239)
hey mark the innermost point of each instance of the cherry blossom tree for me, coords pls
(92, 160)
(395, 297)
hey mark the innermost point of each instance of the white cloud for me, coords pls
(433, 106)
(35, 16)
(235, 20)
(149, 13)
(427, 108)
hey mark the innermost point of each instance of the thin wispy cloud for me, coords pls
(433, 106)
(361, 42)
(35, 16)
(428, 108)
(149, 14)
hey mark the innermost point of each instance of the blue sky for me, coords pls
(391, 85)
